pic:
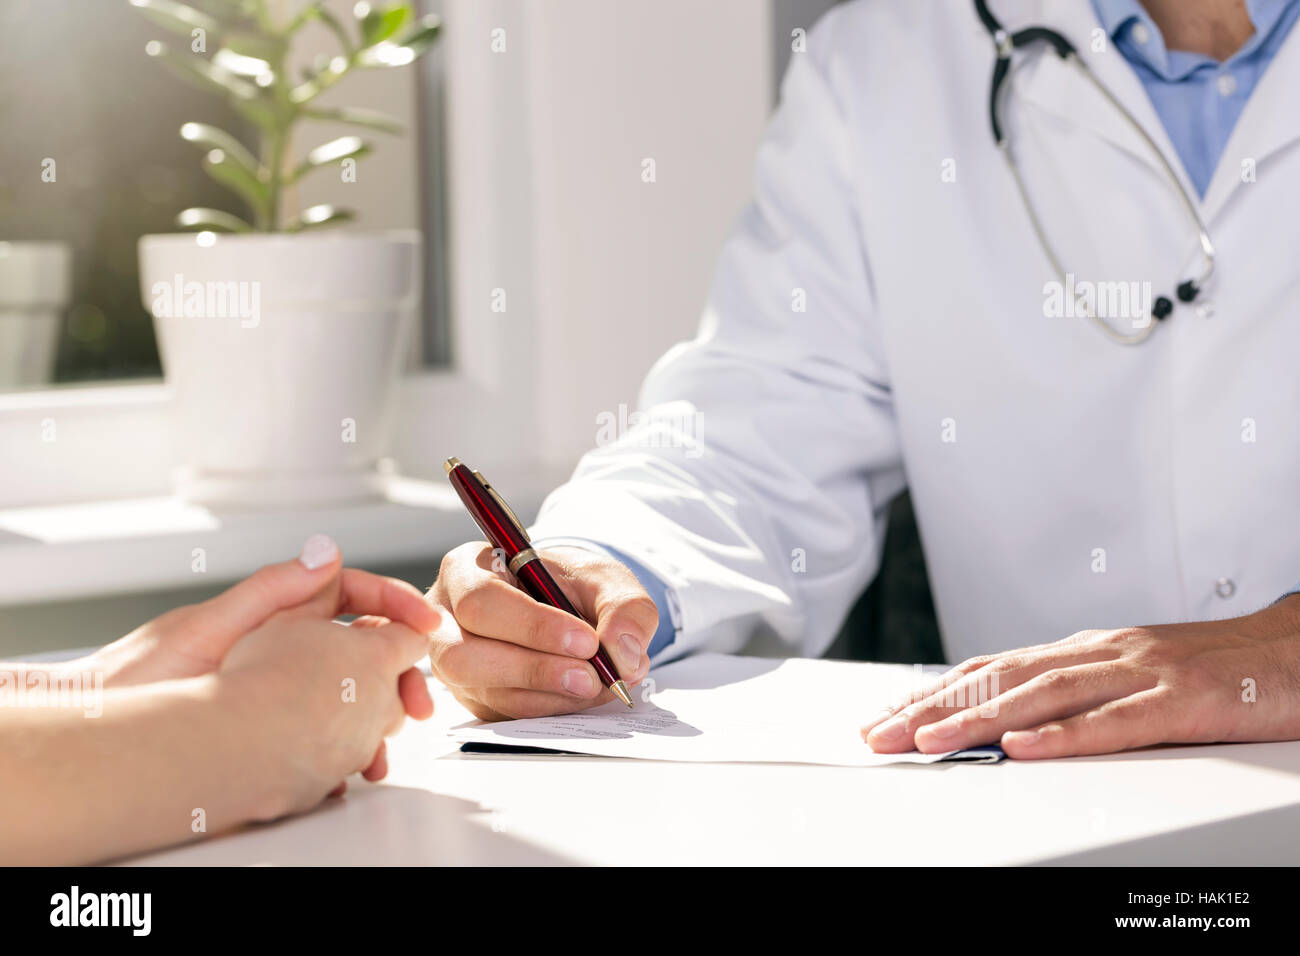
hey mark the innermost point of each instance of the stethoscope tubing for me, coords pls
(1005, 44)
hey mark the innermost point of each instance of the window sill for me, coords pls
(71, 551)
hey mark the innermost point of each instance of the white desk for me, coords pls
(1226, 804)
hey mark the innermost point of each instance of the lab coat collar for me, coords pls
(1056, 86)
(1269, 122)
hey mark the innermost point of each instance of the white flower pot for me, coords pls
(283, 352)
(34, 288)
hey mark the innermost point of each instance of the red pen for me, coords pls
(507, 535)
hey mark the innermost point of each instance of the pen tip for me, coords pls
(620, 691)
(450, 464)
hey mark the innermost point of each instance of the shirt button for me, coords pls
(1205, 310)
(1225, 588)
(1227, 84)
(1141, 34)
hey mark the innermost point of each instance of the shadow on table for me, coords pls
(652, 719)
(373, 825)
(1266, 838)
(1263, 838)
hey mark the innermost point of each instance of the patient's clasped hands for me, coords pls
(249, 706)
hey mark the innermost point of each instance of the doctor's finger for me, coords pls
(474, 661)
(504, 703)
(493, 608)
(1055, 695)
(626, 616)
(626, 622)
(970, 665)
(1136, 721)
(890, 732)
(995, 675)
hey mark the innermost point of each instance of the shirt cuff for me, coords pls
(663, 596)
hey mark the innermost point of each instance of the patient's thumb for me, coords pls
(311, 577)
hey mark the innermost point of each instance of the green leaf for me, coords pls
(336, 150)
(385, 54)
(357, 116)
(322, 215)
(197, 217)
(235, 177)
(259, 71)
(411, 47)
(176, 16)
(423, 34)
(203, 73)
(323, 80)
(210, 137)
(379, 24)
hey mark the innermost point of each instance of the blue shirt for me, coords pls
(1197, 98)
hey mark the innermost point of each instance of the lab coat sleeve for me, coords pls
(755, 478)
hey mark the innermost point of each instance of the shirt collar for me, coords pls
(1118, 18)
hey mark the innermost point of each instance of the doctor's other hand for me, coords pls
(503, 655)
(1098, 692)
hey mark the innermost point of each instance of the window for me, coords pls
(91, 158)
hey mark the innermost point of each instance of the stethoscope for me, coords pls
(1006, 44)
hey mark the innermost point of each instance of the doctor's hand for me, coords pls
(504, 655)
(1103, 691)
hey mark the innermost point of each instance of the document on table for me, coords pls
(719, 708)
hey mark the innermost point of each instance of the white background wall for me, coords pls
(545, 142)
(624, 265)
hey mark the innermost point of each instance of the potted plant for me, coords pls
(280, 337)
(34, 289)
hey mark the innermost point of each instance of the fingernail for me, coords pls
(578, 644)
(578, 682)
(890, 730)
(880, 718)
(630, 651)
(318, 551)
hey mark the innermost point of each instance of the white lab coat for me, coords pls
(1089, 484)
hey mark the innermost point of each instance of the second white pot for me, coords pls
(284, 353)
(34, 286)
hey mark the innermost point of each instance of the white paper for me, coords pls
(719, 708)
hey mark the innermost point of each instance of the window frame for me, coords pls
(105, 441)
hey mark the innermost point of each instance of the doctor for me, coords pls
(1070, 324)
